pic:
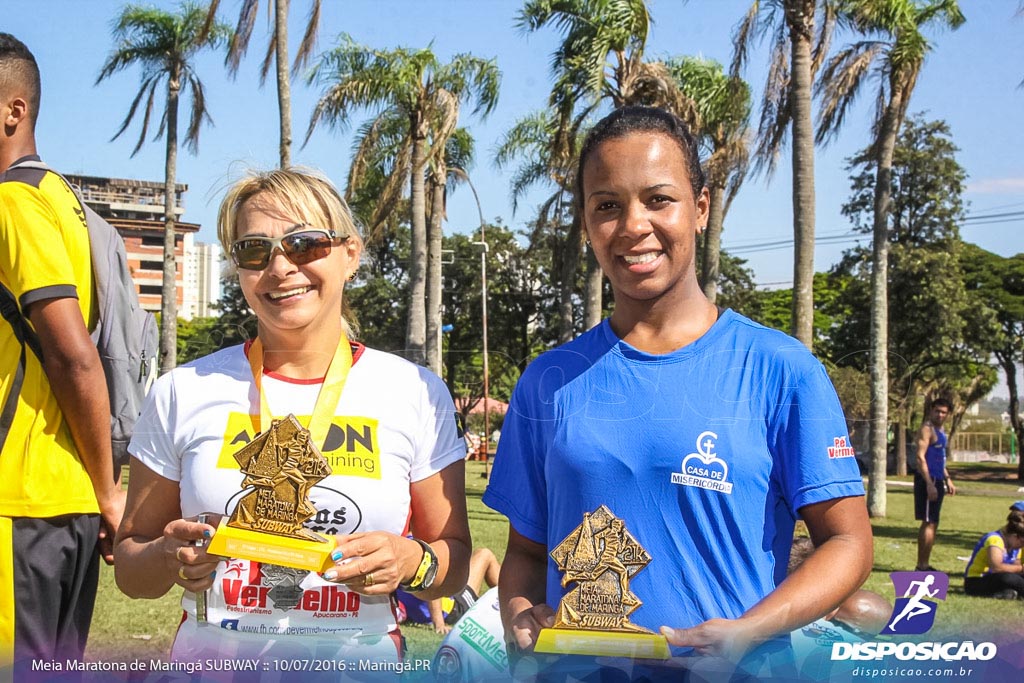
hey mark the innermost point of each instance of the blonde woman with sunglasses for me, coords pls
(390, 437)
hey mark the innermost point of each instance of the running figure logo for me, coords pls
(914, 612)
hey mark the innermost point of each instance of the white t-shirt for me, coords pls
(395, 424)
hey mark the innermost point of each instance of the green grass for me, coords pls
(984, 494)
(125, 629)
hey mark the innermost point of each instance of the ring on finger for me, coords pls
(177, 553)
(368, 579)
(181, 573)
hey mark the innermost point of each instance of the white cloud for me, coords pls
(997, 186)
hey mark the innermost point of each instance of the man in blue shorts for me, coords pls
(931, 480)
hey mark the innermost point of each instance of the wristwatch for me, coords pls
(425, 573)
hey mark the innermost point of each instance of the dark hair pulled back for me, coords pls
(629, 120)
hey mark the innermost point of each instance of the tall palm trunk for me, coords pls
(880, 306)
(800, 19)
(416, 329)
(713, 241)
(901, 448)
(570, 261)
(592, 303)
(284, 88)
(169, 285)
(434, 281)
(1010, 370)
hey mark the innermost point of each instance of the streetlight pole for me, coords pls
(483, 310)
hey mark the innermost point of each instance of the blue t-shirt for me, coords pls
(707, 453)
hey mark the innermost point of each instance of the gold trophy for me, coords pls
(281, 465)
(600, 556)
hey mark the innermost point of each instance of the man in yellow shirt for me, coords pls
(58, 494)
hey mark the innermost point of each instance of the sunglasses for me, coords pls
(302, 247)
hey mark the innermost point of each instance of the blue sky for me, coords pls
(970, 80)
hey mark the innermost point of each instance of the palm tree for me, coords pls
(723, 107)
(277, 51)
(801, 30)
(423, 90)
(894, 55)
(447, 168)
(601, 57)
(548, 151)
(165, 45)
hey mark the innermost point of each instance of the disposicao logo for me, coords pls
(914, 612)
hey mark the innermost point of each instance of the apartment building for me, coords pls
(136, 209)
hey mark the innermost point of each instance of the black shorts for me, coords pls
(463, 600)
(54, 569)
(927, 510)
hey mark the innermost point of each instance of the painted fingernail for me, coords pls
(337, 555)
(207, 533)
(330, 575)
(213, 575)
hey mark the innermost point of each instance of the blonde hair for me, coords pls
(301, 193)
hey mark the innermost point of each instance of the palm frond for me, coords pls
(459, 153)
(527, 175)
(825, 28)
(528, 136)
(471, 78)
(839, 84)
(268, 56)
(239, 43)
(308, 43)
(199, 112)
(374, 136)
(746, 33)
(444, 120)
(773, 126)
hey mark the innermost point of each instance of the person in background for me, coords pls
(441, 613)
(931, 480)
(386, 427)
(59, 493)
(995, 569)
(860, 617)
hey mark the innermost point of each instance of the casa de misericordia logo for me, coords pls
(704, 468)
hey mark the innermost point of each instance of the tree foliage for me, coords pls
(414, 88)
(996, 287)
(929, 350)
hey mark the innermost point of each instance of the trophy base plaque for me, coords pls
(314, 556)
(566, 641)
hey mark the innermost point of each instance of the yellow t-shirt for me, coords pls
(978, 565)
(44, 254)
